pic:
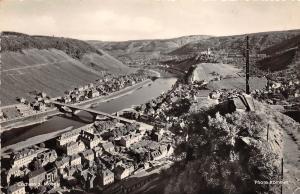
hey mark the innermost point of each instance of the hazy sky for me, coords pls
(145, 19)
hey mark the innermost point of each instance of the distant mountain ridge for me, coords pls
(137, 48)
(257, 41)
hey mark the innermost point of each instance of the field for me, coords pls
(208, 71)
(238, 83)
(231, 79)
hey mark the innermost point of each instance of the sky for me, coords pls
(118, 20)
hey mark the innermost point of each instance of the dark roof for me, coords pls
(36, 172)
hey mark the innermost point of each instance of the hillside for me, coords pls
(235, 44)
(282, 57)
(49, 64)
(137, 49)
(12, 41)
(231, 153)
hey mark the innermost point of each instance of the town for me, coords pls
(90, 157)
(40, 102)
(149, 97)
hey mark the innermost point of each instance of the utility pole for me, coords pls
(281, 189)
(247, 65)
(268, 132)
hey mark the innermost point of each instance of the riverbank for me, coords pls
(44, 116)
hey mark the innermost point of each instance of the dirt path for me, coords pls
(33, 66)
(291, 157)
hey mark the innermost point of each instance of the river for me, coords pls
(60, 122)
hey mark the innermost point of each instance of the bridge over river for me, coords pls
(95, 113)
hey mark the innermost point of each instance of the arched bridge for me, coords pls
(74, 108)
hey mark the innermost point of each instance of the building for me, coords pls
(123, 171)
(15, 171)
(64, 162)
(163, 150)
(46, 157)
(65, 99)
(156, 155)
(87, 179)
(108, 147)
(39, 106)
(18, 188)
(51, 176)
(97, 151)
(106, 177)
(75, 160)
(130, 139)
(72, 148)
(70, 136)
(23, 158)
(70, 171)
(79, 88)
(88, 156)
(156, 136)
(170, 150)
(93, 93)
(89, 139)
(36, 178)
(75, 98)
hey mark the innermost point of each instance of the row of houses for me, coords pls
(101, 88)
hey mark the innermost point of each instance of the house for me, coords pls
(156, 136)
(123, 171)
(22, 100)
(170, 150)
(89, 139)
(23, 158)
(108, 147)
(75, 160)
(18, 188)
(64, 162)
(36, 178)
(93, 93)
(87, 178)
(73, 148)
(111, 161)
(88, 128)
(65, 99)
(75, 98)
(46, 157)
(39, 106)
(79, 88)
(130, 139)
(70, 171)
(88, 156)
(163, 149)
(106, 177)
(51, 176)
(42, 94)
(39, 98)
(70, 136)
(156, 155)
(15, 171)
(97, 151)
